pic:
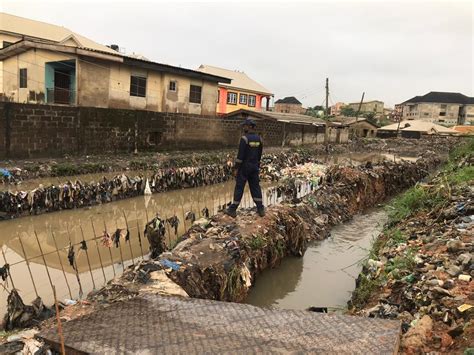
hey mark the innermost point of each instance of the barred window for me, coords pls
(172, 85)
(23, 78)
(243, 99)
(138, 86)
(195, 94)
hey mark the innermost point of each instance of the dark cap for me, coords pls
(248, 122)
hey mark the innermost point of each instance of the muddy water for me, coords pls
(325, 276)
(18, 238)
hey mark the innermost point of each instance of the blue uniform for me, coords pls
(248, 169)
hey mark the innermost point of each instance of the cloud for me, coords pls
(390, 50)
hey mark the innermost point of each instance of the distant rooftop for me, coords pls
(240, 80)
(288, 100)
(442, 97)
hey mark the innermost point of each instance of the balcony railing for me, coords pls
(60, 96)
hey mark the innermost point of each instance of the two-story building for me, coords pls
(376, 107)
(45, 63)
(243, 93)
(442, 107)
(289, 104)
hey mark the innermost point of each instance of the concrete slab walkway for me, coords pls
(155, 324)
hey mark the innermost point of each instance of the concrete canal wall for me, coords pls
(28, 130)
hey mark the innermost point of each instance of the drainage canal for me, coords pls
(325, 276)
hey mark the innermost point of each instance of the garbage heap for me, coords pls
(422, 266)
(220, 258)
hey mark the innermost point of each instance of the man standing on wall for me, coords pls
(247, 168)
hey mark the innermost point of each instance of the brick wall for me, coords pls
(46, 130)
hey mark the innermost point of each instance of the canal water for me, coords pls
(325, 276)
(29, 237)
(290, 285)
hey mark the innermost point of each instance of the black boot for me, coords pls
(261, 211)
(231, 212)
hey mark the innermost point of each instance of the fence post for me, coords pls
(61, 263)
(44, 260)
(28, 264)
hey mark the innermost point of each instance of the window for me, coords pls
(138, 86)
(442, 113)
(195, 94)
(426, 113)
(172, 85)
(232, 98)
(243, 99)
(252, 100)
(6, 44)
(23, 78)
(444, 107)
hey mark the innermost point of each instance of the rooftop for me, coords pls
(279, 116)
(442, 97)
(41, 30)
(419, 126)
(25, 45)
(288, 100)
(351, 120)
(240, 80)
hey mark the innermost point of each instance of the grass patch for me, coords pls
(256, 242)
(364, 290)
(64, 169)
(413, 200)
(461, 176)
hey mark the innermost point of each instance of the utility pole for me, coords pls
(360, 106)
(327, 97)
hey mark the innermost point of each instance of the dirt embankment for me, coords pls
(24, 169)
(421, 268)
(220, 258)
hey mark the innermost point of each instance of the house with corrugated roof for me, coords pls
(242, 92)
(415, 129)
(442, 107)
(46, 63)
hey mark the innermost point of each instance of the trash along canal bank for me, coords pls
(17, 170)
(421, 267)
(220, 258)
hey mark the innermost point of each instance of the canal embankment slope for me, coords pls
(421, 267)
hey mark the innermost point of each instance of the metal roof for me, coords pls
(240, 80)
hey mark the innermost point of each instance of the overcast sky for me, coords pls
(390, 50)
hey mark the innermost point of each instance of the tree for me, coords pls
(370, 117)
(348, 111)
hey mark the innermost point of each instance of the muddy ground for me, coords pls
(23, 169)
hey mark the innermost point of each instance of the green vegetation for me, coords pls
(256, 242)
(429, 197)
(68, 169)
(233, 284)
(367, 285)
(416, 199)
